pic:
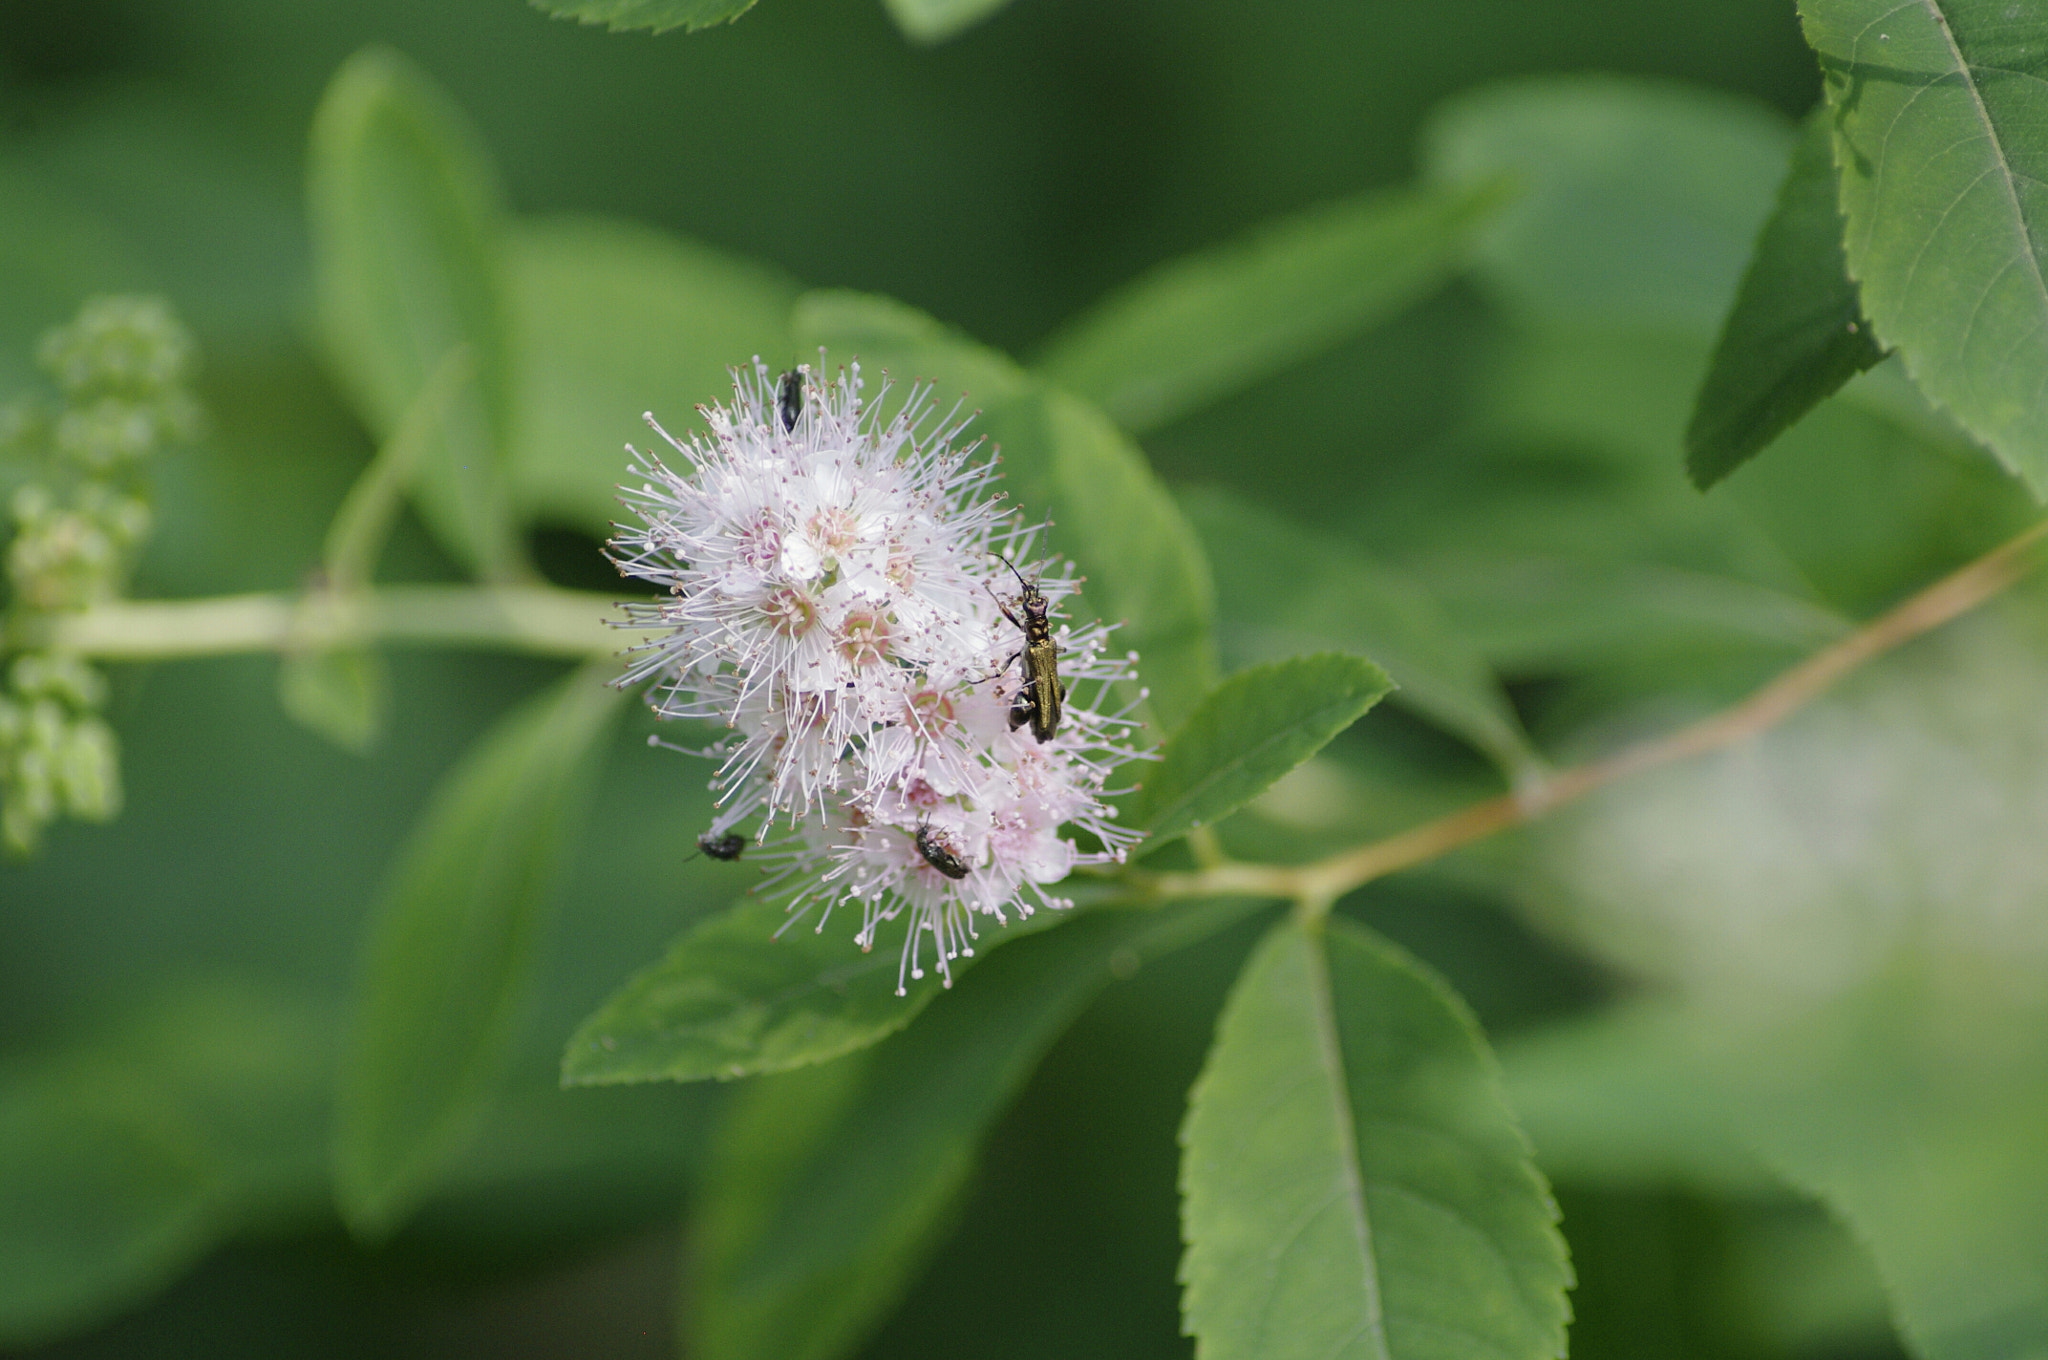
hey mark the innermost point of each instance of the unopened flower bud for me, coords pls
(88, 771)
(131, 346)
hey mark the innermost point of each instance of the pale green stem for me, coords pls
(541, 620)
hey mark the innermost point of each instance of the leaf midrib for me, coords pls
(1968, 72)
(1330, 1053)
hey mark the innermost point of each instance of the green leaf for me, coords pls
(1940, 112)
(1352, 1181)
(1637, 202)
(753, 990)
(1842, 909)
(1201, 328)
(654, 16)
(1914, 1116)
(1062, 459)
(1253, 728)
(1285, 590)
(127, 1156)
(1616, 1098)
(450, 947)
(611, 319)
(343, 694)
(1144, 565)
(833, 1185)
(907, 345)
(1927, 1147)
(1796, 333)
(930, 21)
(405, 212)
(746, 991)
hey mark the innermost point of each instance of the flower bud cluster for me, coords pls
(835, 602)
(76, 521)
(56, 753)
(121, 367)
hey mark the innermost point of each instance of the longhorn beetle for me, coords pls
(941, 851)
(1038, 703)
(789, 399)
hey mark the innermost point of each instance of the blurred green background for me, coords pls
(1001, 182)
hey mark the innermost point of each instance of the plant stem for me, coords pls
(1318, 884)
(542, 620)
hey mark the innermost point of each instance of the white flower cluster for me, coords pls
(835, 601)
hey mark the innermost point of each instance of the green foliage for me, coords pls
(1796, 332)
(343, 694)
(655, 16)
(752, 990)
(834, 1184)
(130, 1152)
(1635, 202)
(611, 320)
(1939, 112)
(405, 212)
(1450, 416)
(1198, 329)
(1354, 1182)
(451, 948)
(1064, 460)
(1252, 729)
(1928, 1149)
(1285, 590)
(1852, 1016)
(1559, 538)
(926, 21)
(53, 251)
(933, 21)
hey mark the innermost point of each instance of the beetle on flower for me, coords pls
(830, 605)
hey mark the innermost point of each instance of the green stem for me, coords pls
(540, 620)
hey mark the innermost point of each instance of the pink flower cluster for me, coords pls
(836, 605)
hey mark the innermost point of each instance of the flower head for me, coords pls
(832, 603)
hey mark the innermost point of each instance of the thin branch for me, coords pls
(1326, 880)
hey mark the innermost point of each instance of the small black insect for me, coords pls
(789, 399)
(1039, 701)
(941, 851)
(728, 847)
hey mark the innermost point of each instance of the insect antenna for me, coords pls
(1013, 569)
